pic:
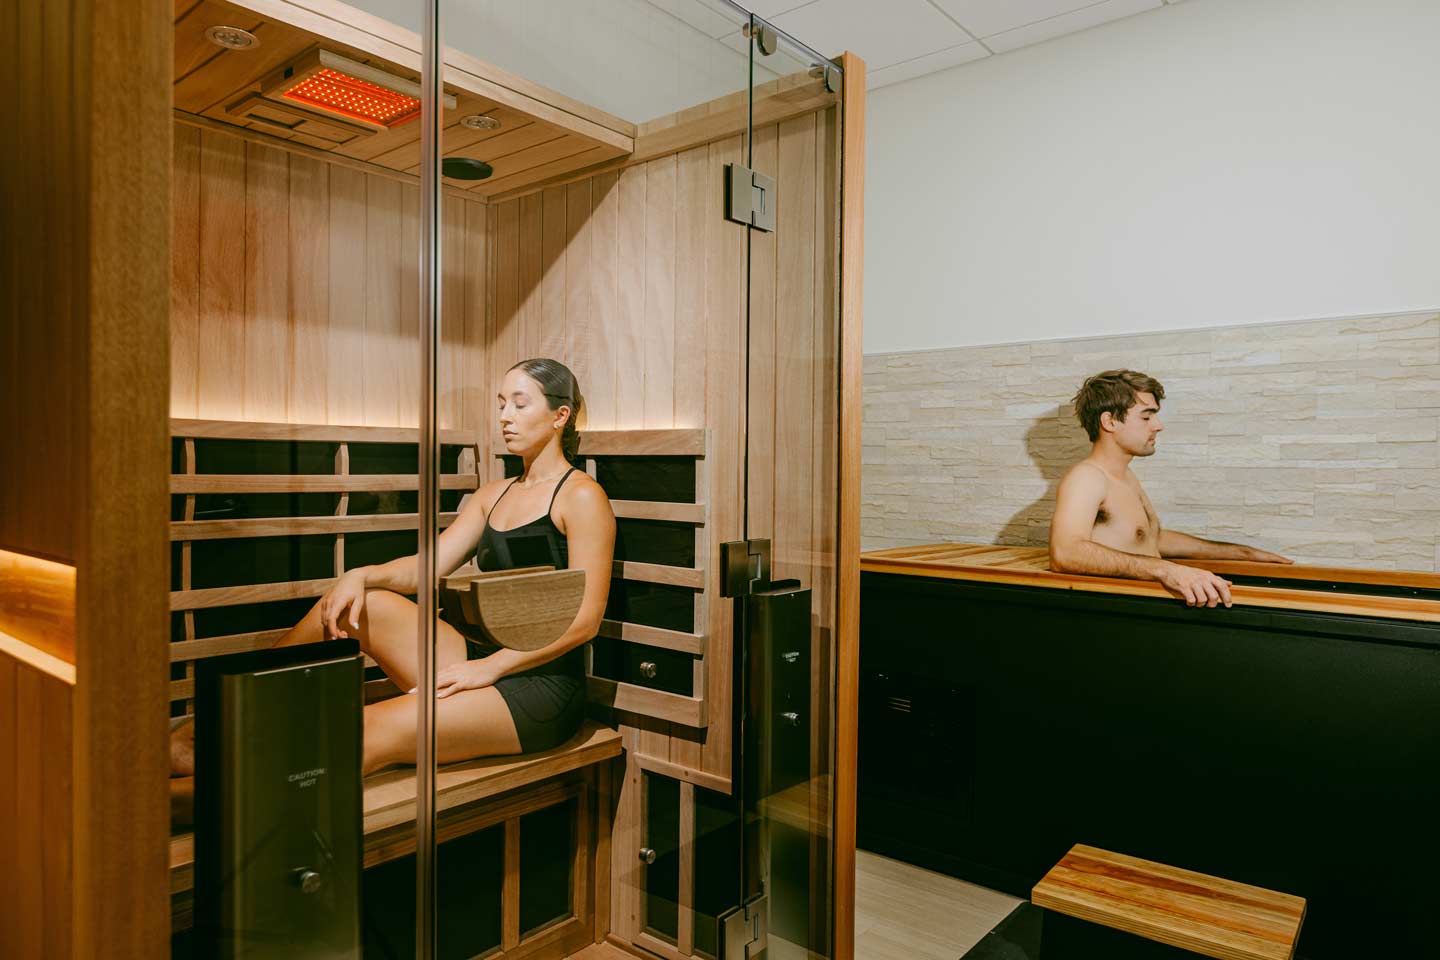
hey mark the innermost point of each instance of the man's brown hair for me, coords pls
(1112, 392)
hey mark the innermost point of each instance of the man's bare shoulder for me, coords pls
(1086, 475)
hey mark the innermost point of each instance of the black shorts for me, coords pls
(547, 703)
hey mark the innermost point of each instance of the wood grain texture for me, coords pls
(37, 604)
(187, 531)
(539, 138)
(324, 433)
(120, 701)
(294, 291)
(1030, 566)
(517, 609)
(84, 296)
(308, 482)
(389, 796)
(1206, 915)
(847, 558)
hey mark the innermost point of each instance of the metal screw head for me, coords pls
(648, 669)
(231, 38)
(307, 880)
(478, 121)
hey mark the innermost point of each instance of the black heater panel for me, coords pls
(278, 803)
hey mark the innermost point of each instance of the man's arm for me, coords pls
(1173, 543)
(1072, 551)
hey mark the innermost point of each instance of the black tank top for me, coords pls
(534, 544)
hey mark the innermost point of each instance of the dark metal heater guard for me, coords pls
(278, 803)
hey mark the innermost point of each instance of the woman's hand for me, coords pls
(342, 605)
(470, 675)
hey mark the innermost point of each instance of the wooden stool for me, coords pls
(1190, 911)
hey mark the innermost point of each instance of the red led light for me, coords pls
(350, 97)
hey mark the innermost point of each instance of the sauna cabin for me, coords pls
(238, 393)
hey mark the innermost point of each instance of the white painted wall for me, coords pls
(1212, 163)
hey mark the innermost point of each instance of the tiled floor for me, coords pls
(905, 913)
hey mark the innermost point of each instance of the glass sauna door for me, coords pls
(786, 615)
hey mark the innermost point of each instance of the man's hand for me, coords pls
(1198, 588)
(1256, 555)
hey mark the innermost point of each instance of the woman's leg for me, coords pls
(468, 724)
(387, 630)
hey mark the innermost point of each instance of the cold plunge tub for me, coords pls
(1291, 741)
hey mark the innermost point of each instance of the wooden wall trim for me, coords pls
(37, 659)
(37, 609)
(324, 433)
(709, 123)
(253, 135)
(847, 568)
(120, 806)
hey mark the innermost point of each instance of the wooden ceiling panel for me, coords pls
(192, 49)
(226, 77)
(540, 163)
(536, 134)
(494, 149)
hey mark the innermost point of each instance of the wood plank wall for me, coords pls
(294, 290)
(35, 825)
(635, 281)
(82, 376)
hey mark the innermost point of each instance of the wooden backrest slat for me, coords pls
(636, 443)
(342, 524)
(317, 433)
(309, 482)
(250, 527)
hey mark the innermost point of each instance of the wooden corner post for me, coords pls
(847, 572)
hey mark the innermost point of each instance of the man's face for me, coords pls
(1136, 433)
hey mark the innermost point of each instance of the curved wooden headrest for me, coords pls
(523, 609)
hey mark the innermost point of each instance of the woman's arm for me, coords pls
(456, 545)
(345, 601)
(590, 530)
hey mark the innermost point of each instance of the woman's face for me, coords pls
(526, 421)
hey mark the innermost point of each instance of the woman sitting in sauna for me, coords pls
(491, 700)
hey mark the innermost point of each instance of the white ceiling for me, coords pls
(903, 39)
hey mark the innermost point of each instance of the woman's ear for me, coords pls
(562, 414)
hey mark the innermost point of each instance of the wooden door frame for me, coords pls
(847, 561)
(120, 804)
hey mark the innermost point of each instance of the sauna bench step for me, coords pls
(1192, 911)
(389, 800)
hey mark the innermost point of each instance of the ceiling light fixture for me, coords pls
(325, 81)
(478, 121)
(231, 38)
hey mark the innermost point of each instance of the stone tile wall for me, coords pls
(1317, 439)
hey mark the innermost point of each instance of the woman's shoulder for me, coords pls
(582, 491)
(488, 493)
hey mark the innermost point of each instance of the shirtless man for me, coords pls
(1104, 523)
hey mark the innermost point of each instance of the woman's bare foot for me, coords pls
(182, 750)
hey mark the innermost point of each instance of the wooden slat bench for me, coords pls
(224, 491)
(389, 800)
(1181, 908)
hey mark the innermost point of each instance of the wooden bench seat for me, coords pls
(1192, 911)
(389, 800)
